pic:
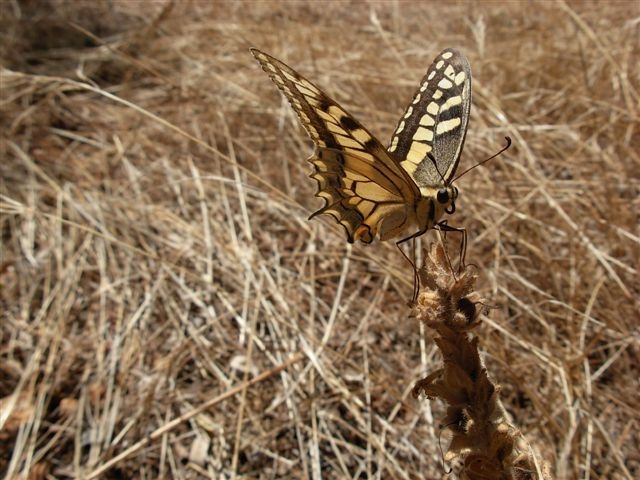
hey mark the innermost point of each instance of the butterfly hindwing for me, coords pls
(365, 204)
(435, 123)
(364, 188)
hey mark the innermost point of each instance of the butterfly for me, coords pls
(376, 192)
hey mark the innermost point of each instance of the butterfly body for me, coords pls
(376, 192)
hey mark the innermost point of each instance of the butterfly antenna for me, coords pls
(503, 149)
(435, 164)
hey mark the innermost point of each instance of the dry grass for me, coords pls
(167, 310)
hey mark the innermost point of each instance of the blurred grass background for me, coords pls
(156, 254)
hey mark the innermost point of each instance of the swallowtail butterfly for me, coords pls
(397, 192)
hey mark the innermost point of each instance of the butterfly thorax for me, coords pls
(434, 203)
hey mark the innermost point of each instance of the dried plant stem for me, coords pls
(484, 444)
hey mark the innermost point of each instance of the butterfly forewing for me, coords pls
(435, 123)
(364, 189)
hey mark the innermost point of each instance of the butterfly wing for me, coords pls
(435, 123)
(363, 187)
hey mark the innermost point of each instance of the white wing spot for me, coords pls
(423, 134)
(447, 55)
(409, 112)
(417, 99)
(430, 77)
(447, 125)
(418, 152)
(394, 144)
(439, 64)
(427, 120)
(408, 166)
(400, 127)
(437, 95)
(460, 78)
(450, 72)
(451, 102)
(433, 108)
(445, 83)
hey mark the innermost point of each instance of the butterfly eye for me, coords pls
(443, 196)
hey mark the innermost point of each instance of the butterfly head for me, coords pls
(435, 201)
(446, 198)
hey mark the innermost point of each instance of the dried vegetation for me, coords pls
(166, 309)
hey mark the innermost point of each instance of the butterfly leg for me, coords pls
(445, 227)
(416, 278)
